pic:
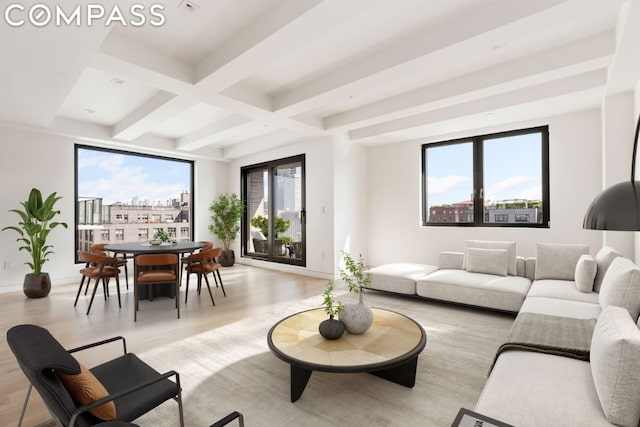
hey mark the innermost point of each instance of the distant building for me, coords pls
(502, 211)
(119, 222)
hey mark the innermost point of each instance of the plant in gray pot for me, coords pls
(226, 211)
(331, 328)
(36, 222)
(357, 318)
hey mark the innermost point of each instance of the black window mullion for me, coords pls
(478, 183)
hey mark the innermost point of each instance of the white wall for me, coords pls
(350, 198)
(319, 168)
(617, 144)
(33, 159)
(394, 199)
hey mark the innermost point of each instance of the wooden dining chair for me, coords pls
(201, 264)
(100, 268)
(156, 268)
(183, 261)
(98, 248)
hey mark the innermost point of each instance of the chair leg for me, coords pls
(24, 406)
(80, 290)
(126, 274)
(186, 291)
(209, 288)
(93, 294)
(180, 411)
(118, 289)
(178, 297)
(221, 285)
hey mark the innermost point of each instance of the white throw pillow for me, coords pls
(510, 247)
(585, 273)
(615, 366)
(621, 286)
(257, 234)
(489, 261)
(558, 261)
(604, 258)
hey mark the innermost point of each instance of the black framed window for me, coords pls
(274, 220)
(499, 179)
(122, 196)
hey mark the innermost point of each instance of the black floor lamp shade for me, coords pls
(617, 207)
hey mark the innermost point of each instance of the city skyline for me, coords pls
(119, 177)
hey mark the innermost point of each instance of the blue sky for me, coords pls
(118, 177)
(512, 167)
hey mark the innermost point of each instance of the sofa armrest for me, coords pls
(530, 268)
(521, 266)
(451, 260)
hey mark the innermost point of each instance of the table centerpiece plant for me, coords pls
(357, 318)
(331, 328)
(36, 222)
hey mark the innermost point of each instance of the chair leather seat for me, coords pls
(131, 372)
(156, 276)
(95, 271)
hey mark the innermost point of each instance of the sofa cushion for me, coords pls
(615, 365)
(489, 261)
(451, 260)
(558, 261)
(561, 289)
(561, 307)
(510, 247)
(585, 273)
(528, 389)
(604, 258)
(399, 277)
(478, 289)
(621, 286)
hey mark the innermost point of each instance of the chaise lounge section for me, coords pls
(534, 388)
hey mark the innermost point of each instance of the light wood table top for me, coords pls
(391, 339)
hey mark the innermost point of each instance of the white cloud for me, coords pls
(445, 184)
(533, 193)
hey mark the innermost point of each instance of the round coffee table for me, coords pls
(389, 349)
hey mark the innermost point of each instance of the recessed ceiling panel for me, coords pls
(102, 98)
(197, 117)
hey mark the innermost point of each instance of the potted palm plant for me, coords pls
(226, 211)
(36, 222)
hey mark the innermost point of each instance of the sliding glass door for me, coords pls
(273, 226)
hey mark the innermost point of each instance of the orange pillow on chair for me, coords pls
(85, 388)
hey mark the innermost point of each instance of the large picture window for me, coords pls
(126, 197)
(273, 224)
(499, 179)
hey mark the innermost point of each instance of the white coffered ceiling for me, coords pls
(224, 78)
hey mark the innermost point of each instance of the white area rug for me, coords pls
(231, 368)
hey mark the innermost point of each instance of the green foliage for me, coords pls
(226, 211)
(353, 274)
(286, 240)
(330, 306)
(280, 225)
(34, 227)
(163, 236)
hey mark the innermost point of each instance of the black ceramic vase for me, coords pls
(331, 329)
(36, 285)
(227, 258)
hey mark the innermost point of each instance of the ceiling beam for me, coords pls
(384, 63)
(573, 58)
(212, 133)
(563, 86)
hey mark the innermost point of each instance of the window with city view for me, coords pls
(273, 226)
(488, 180)
(127, 197)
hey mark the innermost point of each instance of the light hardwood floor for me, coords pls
(250, 292)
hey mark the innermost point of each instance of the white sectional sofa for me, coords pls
(528, 388)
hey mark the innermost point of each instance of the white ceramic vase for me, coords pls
(357, 318)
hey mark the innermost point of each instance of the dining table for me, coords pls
(141, 248)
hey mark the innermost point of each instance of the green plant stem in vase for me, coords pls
(331, 328)
(357, 318)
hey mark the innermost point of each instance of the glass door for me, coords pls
(274, 223)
